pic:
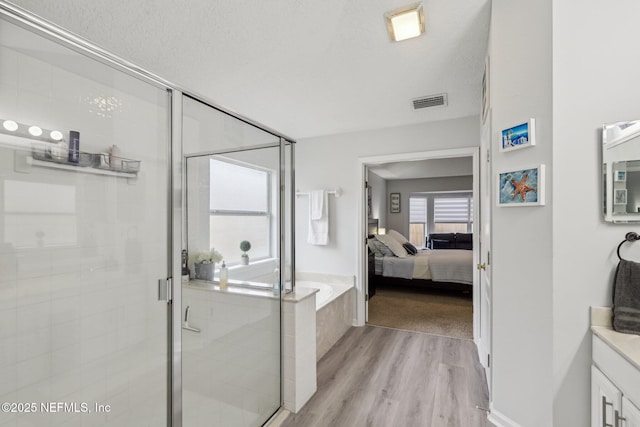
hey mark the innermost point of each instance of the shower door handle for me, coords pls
(164, 290)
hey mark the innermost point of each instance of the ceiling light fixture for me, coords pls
(406, 22)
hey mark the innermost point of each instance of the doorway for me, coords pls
(369, 163)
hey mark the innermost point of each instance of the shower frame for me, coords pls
(175, 224)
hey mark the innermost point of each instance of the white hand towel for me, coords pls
(318, 228)
(316, 197)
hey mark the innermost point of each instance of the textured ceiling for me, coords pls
(302, 67)
(430, 168)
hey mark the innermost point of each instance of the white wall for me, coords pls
(595, 80)
(400, 221)
(332, 161)
(520, 88)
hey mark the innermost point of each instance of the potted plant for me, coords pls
(204, 264)
(245, 245)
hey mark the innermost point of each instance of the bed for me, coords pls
(433, 268)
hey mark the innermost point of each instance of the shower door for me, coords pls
(83, 337)
(231, 332)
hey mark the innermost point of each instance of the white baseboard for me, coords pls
(501, 420)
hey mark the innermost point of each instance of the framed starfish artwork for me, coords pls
(523, 187)
(620, 197)
(519, 136)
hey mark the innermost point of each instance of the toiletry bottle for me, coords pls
(224, 276)
(74, 146)
(276, 281)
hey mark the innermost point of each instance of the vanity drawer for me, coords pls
(618, 369)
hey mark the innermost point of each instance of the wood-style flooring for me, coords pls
(383, 377)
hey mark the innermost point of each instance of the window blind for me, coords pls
(418, 210)
(453, 209)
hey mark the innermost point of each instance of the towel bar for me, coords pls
(337, 192)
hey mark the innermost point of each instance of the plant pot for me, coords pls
(204, 271)
(244, 259)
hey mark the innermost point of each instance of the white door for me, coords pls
(605, 400)
(365, 203)
(631, 414)
(484, 345)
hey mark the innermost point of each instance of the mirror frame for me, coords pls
(615, 135)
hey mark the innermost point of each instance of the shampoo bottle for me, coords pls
(224, 276)
(74, 146)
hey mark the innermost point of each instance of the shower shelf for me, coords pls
(24, 161)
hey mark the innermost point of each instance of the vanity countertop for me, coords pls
(627, 345)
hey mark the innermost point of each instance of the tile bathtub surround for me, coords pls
(335, 318)
(333, 321)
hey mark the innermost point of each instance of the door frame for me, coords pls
(361, 272)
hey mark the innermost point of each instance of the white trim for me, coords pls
(361, 229)
(501, 420)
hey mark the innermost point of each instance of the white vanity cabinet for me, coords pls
(606, 400)
(615, 376)
(609, 407)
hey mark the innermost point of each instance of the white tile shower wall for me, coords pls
(79, 320)
(299, 331)
(231, 368)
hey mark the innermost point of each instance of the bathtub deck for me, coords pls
(385, 377)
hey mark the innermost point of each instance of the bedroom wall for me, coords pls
(520, 88)
(599, 37)
(400, 221)
(378, 186)
(332, 161)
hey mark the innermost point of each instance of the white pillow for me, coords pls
(393, 244)
(399, 237)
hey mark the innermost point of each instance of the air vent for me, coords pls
(430, 101)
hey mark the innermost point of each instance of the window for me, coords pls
(417, 220)
(439, 213)
(240, 209)
(453, 214)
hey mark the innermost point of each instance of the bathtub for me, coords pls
(326, 292)
(335, 305)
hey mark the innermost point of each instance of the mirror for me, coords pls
(621, 169)
(233, 207)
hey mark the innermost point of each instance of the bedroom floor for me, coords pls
(386, 377)
(447, 313)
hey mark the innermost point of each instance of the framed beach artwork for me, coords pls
(620, 197)
(620, 176)
(519, 136)
(521, 187)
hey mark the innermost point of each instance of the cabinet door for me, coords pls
(631, 414)
(605, 400)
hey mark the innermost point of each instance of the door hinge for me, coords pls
(165, 290)
(488, 360)
(488, 257)
(488, 156)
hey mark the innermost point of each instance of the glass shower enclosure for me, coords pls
(237, 194)
(110, 178)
